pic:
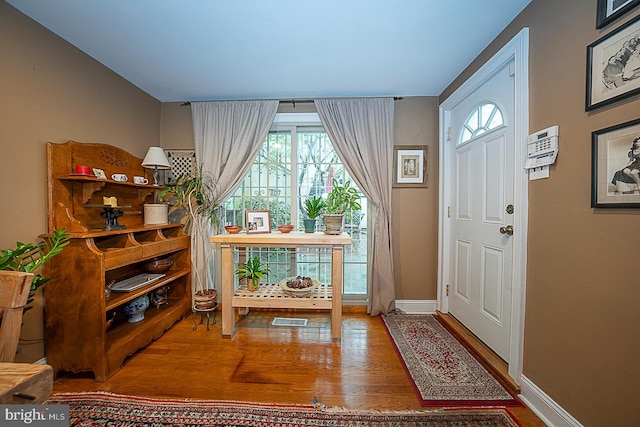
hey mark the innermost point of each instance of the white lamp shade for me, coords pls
(156, 158)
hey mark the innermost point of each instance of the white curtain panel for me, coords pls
(228, 136)
(361, 130)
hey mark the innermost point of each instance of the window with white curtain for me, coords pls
(297, 161)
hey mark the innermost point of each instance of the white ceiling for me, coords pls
(190, 50)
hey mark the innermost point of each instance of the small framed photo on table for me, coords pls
(258, 222)
(615, 171)
(410, 166)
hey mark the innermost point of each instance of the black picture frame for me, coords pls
(611, 71)
(613, 160)
(610, 10)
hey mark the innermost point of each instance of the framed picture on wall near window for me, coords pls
(613, 66)
(258, 222)
(410, 166)
(610, 10)
(615, 171)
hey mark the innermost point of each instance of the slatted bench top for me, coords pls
(271, 295)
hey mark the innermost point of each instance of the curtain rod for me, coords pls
(293, 101)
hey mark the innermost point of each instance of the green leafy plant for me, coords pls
(343, 198)
(253, 270)
(27, 257)
(314, 207)
(196, 193)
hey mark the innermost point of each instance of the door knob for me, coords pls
(507, 230)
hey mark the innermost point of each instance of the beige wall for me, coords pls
(414, 212)
(50, 91)
(582, 288)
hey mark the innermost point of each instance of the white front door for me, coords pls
(481, 248)
(484, 202)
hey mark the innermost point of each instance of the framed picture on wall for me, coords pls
(613, 66)
(410, 166)
(615, 169)
(610, 10)
(258, 222)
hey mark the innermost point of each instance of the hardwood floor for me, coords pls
(265, 363)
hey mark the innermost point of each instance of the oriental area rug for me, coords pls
(442, 371)
(107, 409)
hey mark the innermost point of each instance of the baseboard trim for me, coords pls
(545, 407)
(417, 306)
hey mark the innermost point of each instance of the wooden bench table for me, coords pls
(270, 295)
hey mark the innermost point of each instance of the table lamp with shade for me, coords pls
(156, 213)
(156, 159)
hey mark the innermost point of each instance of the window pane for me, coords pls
(280, 185)
(482, 119)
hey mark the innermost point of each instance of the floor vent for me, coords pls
(284, 321)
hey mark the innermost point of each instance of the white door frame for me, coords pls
(518, 50)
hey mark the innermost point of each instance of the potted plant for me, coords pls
(341, 199)
(313, 208)
(253, 271)
(27, 257)
(196, 193)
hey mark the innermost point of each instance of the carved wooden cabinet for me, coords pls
(78, 336)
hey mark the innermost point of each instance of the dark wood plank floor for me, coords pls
(265, 363)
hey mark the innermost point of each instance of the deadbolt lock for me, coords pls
(509, 209)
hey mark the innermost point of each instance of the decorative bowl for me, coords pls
(135, 309)
(232, 229)
(302, 291)
(158, 265)
(285, 228)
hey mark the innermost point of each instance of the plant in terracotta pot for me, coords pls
(253, 271)
(313, 208)
(341, 199)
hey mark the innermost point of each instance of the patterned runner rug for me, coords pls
(106, 409)
(443, 372)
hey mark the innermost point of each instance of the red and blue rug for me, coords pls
(442, 371)
(106, 409)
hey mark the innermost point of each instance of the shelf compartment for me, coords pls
(117, 250)
(154, 249)
(120, 298)
(125, 338)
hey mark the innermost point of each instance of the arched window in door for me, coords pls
(483, 118)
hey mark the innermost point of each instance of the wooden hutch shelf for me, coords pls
(78, 334)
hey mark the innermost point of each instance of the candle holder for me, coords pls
(111, 216)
